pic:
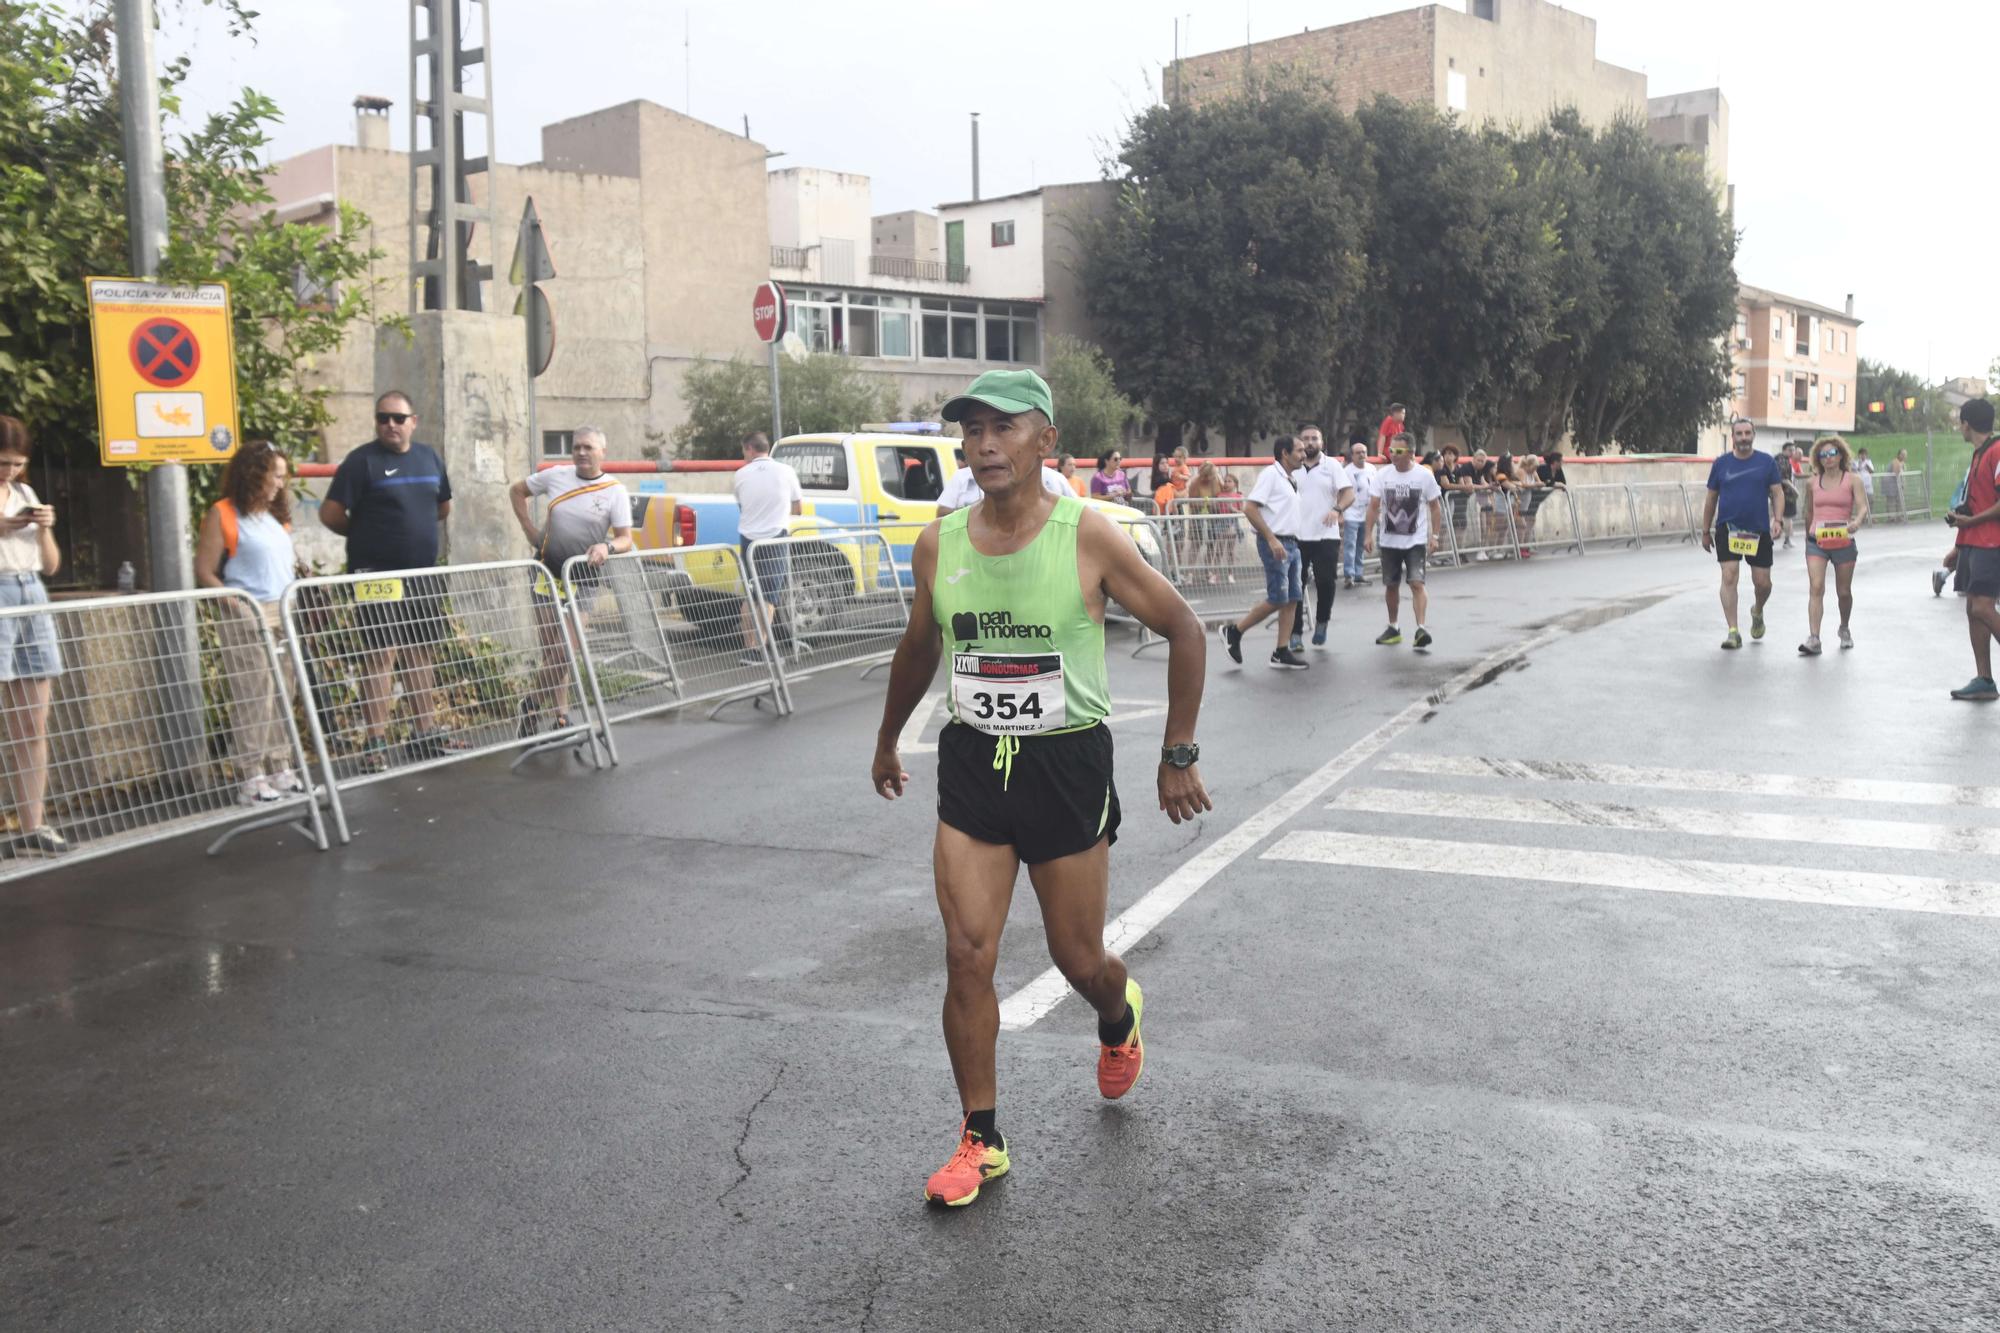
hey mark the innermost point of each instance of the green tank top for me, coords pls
(1010, 622)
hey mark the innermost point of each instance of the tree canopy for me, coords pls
(296, 288)
(1271, 258)
(727, 400)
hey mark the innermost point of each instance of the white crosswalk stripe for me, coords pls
(1673, 819)
(1547, 865)
(1963, 890)
(1697, 780)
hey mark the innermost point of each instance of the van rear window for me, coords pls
(821, 467)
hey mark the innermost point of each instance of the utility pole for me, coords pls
(169, 544)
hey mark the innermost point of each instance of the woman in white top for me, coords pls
(246, 543)
(30, 657)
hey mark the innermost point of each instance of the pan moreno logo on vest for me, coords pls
(969, 625)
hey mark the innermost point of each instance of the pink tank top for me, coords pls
(1832, 506)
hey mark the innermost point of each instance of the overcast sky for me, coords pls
(1851, 125)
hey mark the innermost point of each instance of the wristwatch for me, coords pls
(1180, 756)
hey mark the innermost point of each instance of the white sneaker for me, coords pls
(256, 791)
(285, 782)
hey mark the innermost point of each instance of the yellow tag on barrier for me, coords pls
(379, 590)
(1744, 543)
(543, 586)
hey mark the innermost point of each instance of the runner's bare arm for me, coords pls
(333, 516)
(1861, 501)
(911, 670)
(1145, 592)
(1777, 507)
(1368, 526)
(1708, 520)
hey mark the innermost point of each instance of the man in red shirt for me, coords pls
(1976, 519)
(1390, 427)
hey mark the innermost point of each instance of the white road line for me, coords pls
(1688, 779)
(1673, 819)
(1026, 1006)
(1906, 893)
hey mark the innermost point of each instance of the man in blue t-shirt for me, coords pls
(389, 498)
(1745, 504)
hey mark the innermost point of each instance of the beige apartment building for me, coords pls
(661, 227)
(1510, 62)
(1793, 367)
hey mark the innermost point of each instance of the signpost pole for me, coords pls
(777, 409)
(169, 543)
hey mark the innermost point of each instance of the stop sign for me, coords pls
(767, 312)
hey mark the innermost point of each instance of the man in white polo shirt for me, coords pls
(1272, 509)
(768, 494)
(1324, 490)
(963, 487)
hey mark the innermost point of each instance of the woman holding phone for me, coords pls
(30, 657)
(1839, 508)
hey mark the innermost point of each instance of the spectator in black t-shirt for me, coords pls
(388, 499)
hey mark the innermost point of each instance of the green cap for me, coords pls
(1009, 391)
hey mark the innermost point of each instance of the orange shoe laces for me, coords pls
(971, 1151)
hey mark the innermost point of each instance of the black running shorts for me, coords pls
(1058, 800)
(1725, 556)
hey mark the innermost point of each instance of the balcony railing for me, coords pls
(787, 256)
(918, 270)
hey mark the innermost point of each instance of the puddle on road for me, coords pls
(1570, 622)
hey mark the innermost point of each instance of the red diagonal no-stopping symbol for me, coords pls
(164, 352)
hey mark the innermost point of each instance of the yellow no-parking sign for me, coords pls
(166, 371)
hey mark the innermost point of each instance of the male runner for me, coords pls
(1975, 518)
(1016, 587)
(1745, 505)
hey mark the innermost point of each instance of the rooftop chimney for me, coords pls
(371, 121)
(1850, 305)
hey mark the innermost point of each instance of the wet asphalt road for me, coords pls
(659, 1049)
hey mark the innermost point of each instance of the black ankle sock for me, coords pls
(1115, 1034)
(981, 1123)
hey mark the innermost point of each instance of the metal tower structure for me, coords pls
(446, 272)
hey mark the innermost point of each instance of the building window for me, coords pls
(1454, 89)
(1826, 391)
(1843, 392)
(1483, 9)
(1801, 394)
(1774, 386)
(1742, 385)
(1003, 234)
(1742, 330)
(1843, 340)
(556, 443)
(1826, 340)
(1802, 337)
(1777, 325)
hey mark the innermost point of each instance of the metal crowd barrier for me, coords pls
(667, 629)
(1661, 510)
(481, 654)
(833, 598)
(1901, 497)
(1604, 513)
(1546, 519)
(147, 717)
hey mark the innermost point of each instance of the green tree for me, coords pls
(1224, 272)
(1090, 411)
(296, 288)
(727, 400)
(1879, 382)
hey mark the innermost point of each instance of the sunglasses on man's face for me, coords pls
(384, 418)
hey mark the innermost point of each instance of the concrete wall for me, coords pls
(1698, 121)
(1066, 210)
(1008, 272)
(1530, 59)
(829, 209)
(1391, 54)
(910, 234)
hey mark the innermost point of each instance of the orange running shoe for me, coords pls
(1118, 1066)
(957, 1182)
